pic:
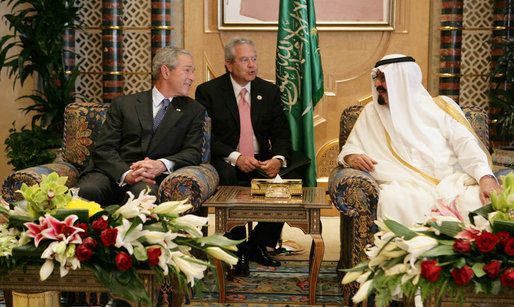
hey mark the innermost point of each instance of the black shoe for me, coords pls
(242, 268)
(259, 254)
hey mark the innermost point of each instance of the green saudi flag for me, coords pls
(299, 75)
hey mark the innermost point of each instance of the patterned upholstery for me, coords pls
(355, 194)
(82, 122)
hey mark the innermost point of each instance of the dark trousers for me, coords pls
(265, 233)
(98, 187)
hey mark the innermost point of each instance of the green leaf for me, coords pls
(483, 211)
(499, 225)
(359, 267)
(400, 230)
(83, 214)
(439, 250)
(450, 228)
(478, 269)
(19, 220)
(106, 275)
(28, 251)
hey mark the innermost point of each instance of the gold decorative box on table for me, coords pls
(270, 188)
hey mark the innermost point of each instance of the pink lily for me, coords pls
(36, 230)
(51, 228)
(447, 210)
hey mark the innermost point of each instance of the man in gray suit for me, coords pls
(147, 135)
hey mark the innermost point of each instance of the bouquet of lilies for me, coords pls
(52, 228)
(447, 255)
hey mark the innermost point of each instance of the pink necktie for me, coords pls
(246, 132)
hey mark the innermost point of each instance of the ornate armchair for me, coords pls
(82, 122)
(355, 194)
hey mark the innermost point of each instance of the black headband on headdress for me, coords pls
(395, 60)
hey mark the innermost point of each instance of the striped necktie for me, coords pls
(160, 115)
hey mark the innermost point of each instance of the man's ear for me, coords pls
(228, 66)
(165, 72)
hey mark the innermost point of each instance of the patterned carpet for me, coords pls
(282, 286)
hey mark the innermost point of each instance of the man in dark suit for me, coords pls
(147, 135)
(250, 138)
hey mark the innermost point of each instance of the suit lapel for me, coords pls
(257, 96)
(170, 119)
(145, 114)
(230, 99)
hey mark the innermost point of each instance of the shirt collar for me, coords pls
(238, 88)
(157, 97)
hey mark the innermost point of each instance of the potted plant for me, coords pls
(36, 49)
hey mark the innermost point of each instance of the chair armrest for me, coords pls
(194, 182)
(503, 172)
(33, 175)
(353, 192)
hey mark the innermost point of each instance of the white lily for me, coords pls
(222, 255)
(362, 293)
(128, 240)
(172, 207)
(130, 209)
(361, 279)
(397, 269)
(351, 276)
(413, 271)
(67, 263)
(46, 269)
(193, 224)
(192, 269)
(162, 238)
(416, 246)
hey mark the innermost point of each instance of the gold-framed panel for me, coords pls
(248, 15)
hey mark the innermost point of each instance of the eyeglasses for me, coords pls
(245, 60)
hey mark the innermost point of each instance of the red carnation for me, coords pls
(83, 253)
(108, 236)
(486, 241)
(89, 243)
(123, 261)
(492, 268)
(503, 237)
(83, 226)
(462, 276)
(462, 246)
(430, 270)
(507, 278)
(509, 247)
(100, 224)
(153, 255)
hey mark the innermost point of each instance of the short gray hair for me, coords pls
(166, 56)
(229, 47)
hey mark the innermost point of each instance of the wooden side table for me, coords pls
(235, 206)
(82, 280)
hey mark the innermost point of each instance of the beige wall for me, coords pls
(347, 57)
(9, 107)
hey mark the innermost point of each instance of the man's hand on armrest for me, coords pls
(361, 162)
(488, 184)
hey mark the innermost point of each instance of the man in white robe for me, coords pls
(419, 149)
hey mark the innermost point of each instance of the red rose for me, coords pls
(486, 241)
(123, 261)
(492, 268)
(503, 237)
(89, 243)
(509, 247)
(430, 270)
(507, 278)
(462, 246)
(153, 255)
(462, 276)
(100, 224)
(83, 226)
(108, 236)
(83, 253)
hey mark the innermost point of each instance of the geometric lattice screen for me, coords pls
(116, 52)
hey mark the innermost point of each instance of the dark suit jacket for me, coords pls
(269, 123)
(126, 135)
